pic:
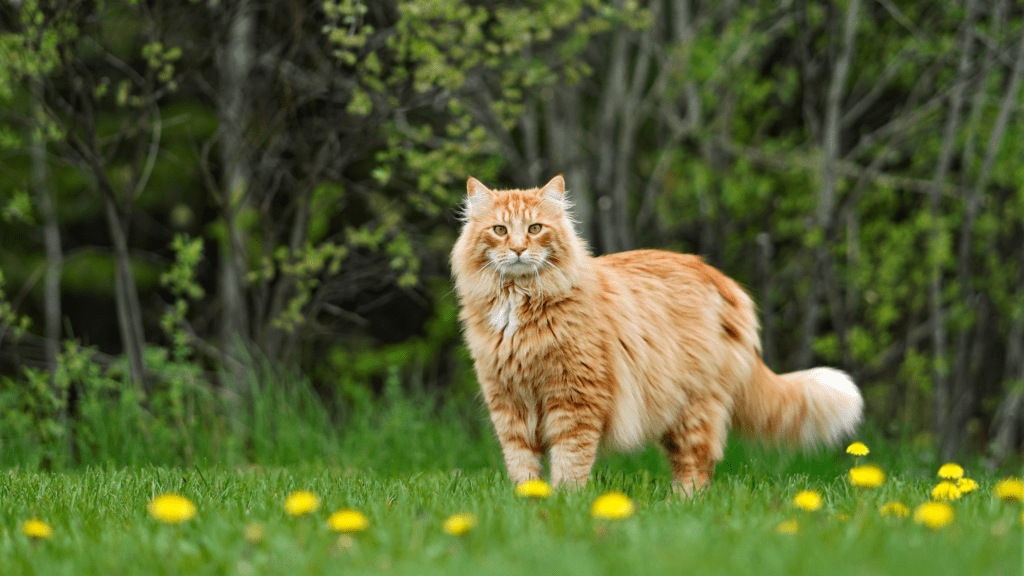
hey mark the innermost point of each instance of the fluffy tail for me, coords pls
(806, 408)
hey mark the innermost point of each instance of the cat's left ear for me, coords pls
(477, 196)
(555, 192)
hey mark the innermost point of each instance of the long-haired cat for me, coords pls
(572, 350)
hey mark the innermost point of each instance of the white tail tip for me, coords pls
(834, 403)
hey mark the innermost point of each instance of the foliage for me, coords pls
(10, 320)
(721, 130)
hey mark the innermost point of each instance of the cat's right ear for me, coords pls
(477, 198)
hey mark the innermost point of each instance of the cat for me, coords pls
(572, 350)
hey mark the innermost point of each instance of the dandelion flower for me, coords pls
(171, 508)
(1010, 489)
(459, 524)
(254, 533)
(612, 506)
(534, 489)
(946, 491)
(951, 471)
(347, 521)
(788, 527)
(867, 476)
(934, 514)
(857, 449)
(301, 502)
(897, 509)
(965, 485)
(36, 529)
(807, 500)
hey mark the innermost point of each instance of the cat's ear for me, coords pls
(554, 191)
(477, 196)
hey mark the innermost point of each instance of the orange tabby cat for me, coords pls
(571, 350)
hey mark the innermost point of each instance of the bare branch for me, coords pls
(810, 163)
(900, 17)
(854, 112)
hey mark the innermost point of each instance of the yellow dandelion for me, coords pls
(965, 485)
(171, 508)
(459, 524)
(301, 502)
(934, 514)
(897, 509)
(347, 521)
(36, 529)
(807, 500)
(1010, 489)
(946, 491)
(254, 533)
(867, 476)
(534, 489)
(788, 526)
(951, 471)
(857, 449)
(612, 505)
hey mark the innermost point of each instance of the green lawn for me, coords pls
(101, 526)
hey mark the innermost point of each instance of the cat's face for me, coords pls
(516, 233)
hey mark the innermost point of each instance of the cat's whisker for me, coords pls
(548, 264)
(482, 270)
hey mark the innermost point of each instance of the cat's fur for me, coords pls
(572, 350)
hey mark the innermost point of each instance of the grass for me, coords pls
(101, 525)
(408, 461)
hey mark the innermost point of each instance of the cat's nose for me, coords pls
(519, 251)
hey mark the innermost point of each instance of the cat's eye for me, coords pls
(534, 228)
(500, 230)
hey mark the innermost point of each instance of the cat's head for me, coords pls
(520, 236)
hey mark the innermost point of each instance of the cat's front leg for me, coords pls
(572, 427)
(515, 422)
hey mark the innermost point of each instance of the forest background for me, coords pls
(213, 210)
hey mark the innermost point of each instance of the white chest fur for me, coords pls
(504, 316)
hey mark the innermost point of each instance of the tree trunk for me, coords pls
(607, 141)
(766, 273)
(946, 436)
(234, 62)
(1006, 426)
(54, 256)
(531, 143)
(51, 236)
(630, 115)
(565, 133)
(852, 264)
(827, 192)
(126, 295)
(681, 29)
(962, 391)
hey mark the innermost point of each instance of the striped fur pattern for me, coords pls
(573, 352)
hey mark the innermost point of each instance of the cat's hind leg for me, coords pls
(695, 442)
